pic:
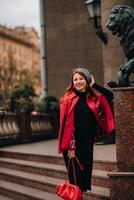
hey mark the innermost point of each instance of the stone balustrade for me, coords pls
(41, 124)
(8, 125)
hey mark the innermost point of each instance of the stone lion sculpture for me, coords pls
(121, 24)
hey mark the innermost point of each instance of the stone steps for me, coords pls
(99, 177)
(104, 165)
(48, 169)
(37, 181)
(97, 193)
(32, 180)
(33, 157)
(43, 173)
(44, 183)
(5, 198)
(97, 164)
(21, 192)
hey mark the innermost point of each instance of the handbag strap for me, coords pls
(80, 165)
(74, 171)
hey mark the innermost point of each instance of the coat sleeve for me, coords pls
(107, 93)
(63, 109)
(106, 115)
(63, 115)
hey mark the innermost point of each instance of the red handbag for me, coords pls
(69, 191)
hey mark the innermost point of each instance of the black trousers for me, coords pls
(85, 155)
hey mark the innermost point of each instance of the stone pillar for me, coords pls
(25, 133)
(124, 122)
(122, 181)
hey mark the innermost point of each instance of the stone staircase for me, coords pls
(26, 176)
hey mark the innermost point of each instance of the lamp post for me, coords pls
(94, 11)
(43, 46)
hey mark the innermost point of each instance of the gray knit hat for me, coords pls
(85, 72)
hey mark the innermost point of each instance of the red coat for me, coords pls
(98, 105)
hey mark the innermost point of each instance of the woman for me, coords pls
(81, 109)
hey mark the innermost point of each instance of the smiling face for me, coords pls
(79, 82)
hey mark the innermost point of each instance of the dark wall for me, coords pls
(71, 41)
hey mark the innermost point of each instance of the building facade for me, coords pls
(19, 57)
(71, 41)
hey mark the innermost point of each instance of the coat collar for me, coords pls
(72, 95)
(74, 98)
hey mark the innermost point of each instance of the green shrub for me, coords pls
(21, 98)
(47, 104)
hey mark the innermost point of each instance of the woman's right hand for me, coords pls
(71, 154)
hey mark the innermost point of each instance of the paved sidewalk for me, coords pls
(49, 147)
